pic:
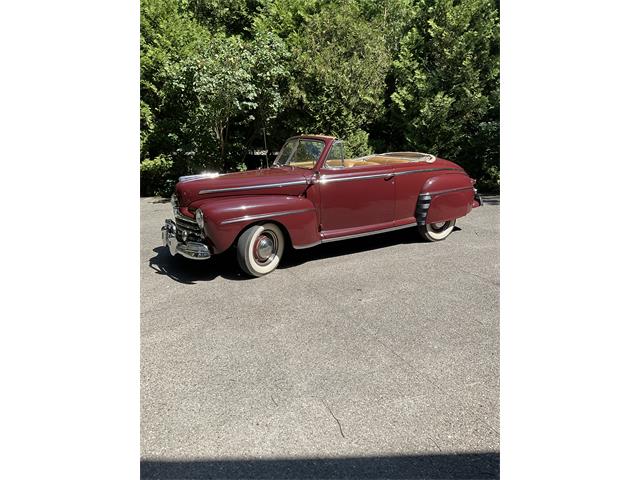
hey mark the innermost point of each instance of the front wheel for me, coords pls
(260, 249)
(434, 232)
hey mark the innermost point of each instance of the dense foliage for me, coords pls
(223, 78)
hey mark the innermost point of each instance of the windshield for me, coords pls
(300, 152)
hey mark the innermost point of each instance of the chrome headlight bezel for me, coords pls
(200, 218)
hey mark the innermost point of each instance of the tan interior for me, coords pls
(392, 161)
(302, 164)
(349, 163)
(372, 160)
(357, 162)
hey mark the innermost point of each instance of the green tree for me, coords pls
(269, 71)
(168, 33)
(447, 89)
(218, 76)
(393, 16)
(232, 17)
(338, 66)
(214, 86)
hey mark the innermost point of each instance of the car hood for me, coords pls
(278, 180)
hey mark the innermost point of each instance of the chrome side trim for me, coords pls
(422, 170)
(357, 235)
(253, 187)
(263, 215)
(326, 179)
(451, 190)
(329, 179)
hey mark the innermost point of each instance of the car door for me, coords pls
(355, 197)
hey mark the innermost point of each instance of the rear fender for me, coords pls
(451, 196)
(226, 218)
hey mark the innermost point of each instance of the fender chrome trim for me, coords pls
(449, 190)
(335, 178)
(422, 170)
(365, 234)
(329, 179)
(252, 187)
(246, 218)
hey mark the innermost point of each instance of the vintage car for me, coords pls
(311, 195)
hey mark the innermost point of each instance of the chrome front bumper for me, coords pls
(193, 250)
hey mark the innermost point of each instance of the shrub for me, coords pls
(489, 182)
(156, 176)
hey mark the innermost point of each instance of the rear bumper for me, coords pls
(192, 250)
(477, 199)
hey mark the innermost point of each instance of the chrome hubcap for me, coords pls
(265, 248)
(439, 226)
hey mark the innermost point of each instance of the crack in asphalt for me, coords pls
(334, 417)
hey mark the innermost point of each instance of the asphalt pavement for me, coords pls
(375, 357)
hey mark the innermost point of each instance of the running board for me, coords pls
(365, 234)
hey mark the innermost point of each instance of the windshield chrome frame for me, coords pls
(297, 141)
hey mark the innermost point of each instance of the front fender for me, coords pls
(225, 218)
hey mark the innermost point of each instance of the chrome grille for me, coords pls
(188, 225)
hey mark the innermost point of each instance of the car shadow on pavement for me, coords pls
(189, 272)
(405, 236)
(226, 266)
(436, 466)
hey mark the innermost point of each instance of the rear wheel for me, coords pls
(434, 232)
(260, 249)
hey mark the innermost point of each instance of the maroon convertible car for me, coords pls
(313, 195)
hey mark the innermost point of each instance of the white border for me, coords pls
(569, 239)
(70, 267)
(569, 243)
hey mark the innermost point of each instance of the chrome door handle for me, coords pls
(390, 176)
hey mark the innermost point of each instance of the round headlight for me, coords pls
(200, 218)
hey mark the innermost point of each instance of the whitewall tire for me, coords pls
(260, 249)
(434, 232)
